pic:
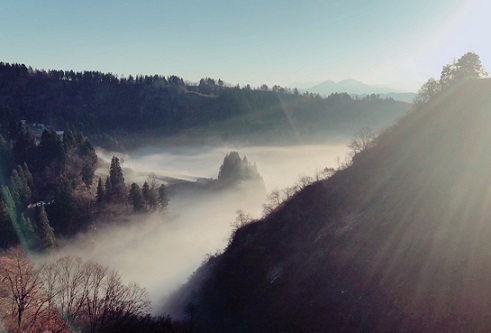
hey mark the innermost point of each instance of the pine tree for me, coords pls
(47, 235)
(5, 156)
(28, 176)
(25, 226)
(68, 138)
(9, 204)
(8, 236)
(117, 179)
(64, 211)
(136, 197)
(89, 159)
(146, 194)
(24, 144)
(109, 189)
(101, 194)
(19, 188)
(50, 152)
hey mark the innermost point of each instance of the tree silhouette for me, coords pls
(118, 187)
(47, 235)
(363, 140)
(101, 193)
(136, 197)
(467, 67)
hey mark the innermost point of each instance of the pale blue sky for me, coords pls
(395, 43)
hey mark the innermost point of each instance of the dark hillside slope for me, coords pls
(398, 242)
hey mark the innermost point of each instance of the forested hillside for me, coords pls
(396, 242)
(110, 109)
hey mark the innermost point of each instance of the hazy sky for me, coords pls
(397, 43)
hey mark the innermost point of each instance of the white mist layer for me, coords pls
(160, 251)
(280, 166)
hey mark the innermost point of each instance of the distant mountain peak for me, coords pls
(349, 85)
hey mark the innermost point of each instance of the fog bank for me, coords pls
(280, 166)
(159, 251)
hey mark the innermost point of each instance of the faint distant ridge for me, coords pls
(354, 87)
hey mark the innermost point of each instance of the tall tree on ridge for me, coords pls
(117, 179)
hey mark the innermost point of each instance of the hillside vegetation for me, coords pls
(397, 242)
(125, 112)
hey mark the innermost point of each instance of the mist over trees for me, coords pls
(150, 197)
(396, 241)
(235, 169)
(111, 109)
(49, 190)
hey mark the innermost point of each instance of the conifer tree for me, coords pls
(25, 226)
(136, 197)
(68, 138)
(101, 194)
(89, 160)
(24, 144)
(9, 204)
(109, 189)
(146, 194)
(64, 210)
(117, 179)
(5, 156)
(28, 176)
(19, 189)
(47, 235)
(7, 233)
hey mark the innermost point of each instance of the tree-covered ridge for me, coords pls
(102, 104)
(467, 67)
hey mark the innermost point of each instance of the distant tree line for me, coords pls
(110, 109)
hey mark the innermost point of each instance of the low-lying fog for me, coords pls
(159, 251)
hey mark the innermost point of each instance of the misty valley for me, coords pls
(155, 204)
(199, 220)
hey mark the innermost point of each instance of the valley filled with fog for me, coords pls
(160, 250)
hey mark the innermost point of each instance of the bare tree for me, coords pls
(241, 220)
(85, 294)
(66, 281)
(274, 200)
(304, 181)
(22, 296)
(363, 140)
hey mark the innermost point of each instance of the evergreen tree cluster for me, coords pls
(150, 197)
(235, 169)
(38, 178)
(18, 224)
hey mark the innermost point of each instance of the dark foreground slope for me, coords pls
(398, 242)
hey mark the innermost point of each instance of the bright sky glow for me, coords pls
(395, 43)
